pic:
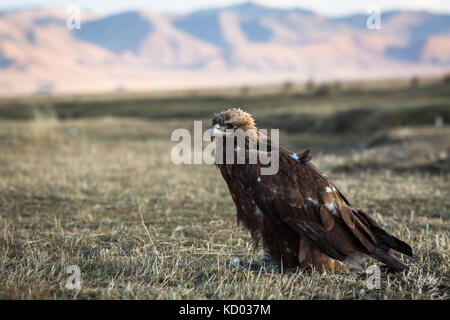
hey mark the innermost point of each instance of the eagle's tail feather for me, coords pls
(392, 242)
(386, 240)
(390, 261)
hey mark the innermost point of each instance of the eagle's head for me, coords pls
(232, 119)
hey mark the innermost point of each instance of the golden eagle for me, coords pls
(298, 214)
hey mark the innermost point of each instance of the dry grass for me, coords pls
(103, 194)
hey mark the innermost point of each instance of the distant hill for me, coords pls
(235, 45)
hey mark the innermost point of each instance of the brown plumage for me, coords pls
(298, 214)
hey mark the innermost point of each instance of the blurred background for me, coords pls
(86, 116)
(192, 44)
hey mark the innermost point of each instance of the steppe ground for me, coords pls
(88, 181)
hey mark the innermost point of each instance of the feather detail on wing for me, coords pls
(302, 198)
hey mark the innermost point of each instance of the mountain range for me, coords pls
(238, 45)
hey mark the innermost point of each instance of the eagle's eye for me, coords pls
(229, 124)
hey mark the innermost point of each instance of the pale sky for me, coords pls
(330, 7)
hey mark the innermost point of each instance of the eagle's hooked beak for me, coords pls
(216, 130)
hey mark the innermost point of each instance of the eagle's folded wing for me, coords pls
(307, 201)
